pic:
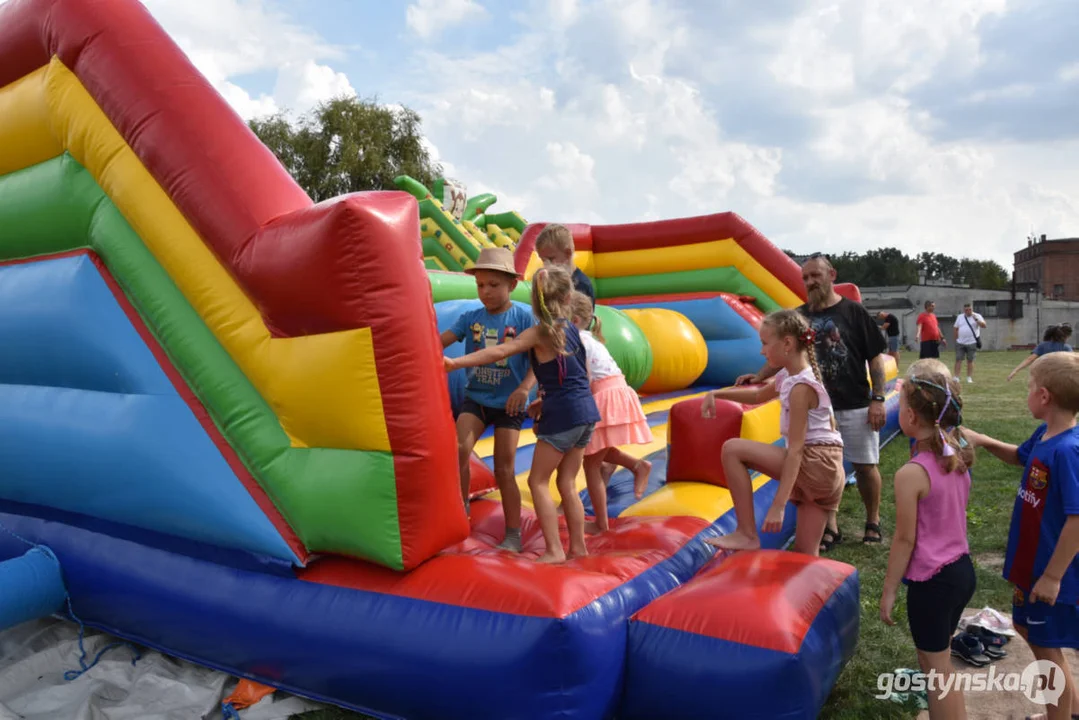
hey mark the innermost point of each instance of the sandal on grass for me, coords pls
(831, 537)
(874, 528)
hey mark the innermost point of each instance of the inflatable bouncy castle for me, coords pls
(226, 432)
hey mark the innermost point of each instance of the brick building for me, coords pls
(1049, 267)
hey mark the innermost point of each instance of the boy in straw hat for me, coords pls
(496, 394)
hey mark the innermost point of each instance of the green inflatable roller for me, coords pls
(627, 344)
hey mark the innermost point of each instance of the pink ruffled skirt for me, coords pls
(623, 421)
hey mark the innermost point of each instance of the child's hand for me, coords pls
(708, 407)
(974, 439)
(1011, 375)
(535, 409)
(517, 402)
(449, 363)
(773, 521)
(1045, 590)
(887, 602)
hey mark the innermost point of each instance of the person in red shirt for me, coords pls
(928, 333)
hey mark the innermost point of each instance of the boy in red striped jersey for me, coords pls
(1044, 536)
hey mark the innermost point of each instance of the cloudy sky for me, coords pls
(830, 125)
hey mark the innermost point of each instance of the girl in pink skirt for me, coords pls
(623, 420)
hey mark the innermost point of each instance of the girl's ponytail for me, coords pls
(597, 329)
(550, 304)
(582, 310)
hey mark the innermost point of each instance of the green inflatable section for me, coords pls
(505, 220)
(725, 279)
(627, 344)
(459, 286)
(337, 501)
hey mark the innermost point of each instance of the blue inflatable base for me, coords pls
(31, 587)
(381, 654)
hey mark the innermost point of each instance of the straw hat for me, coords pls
(496, 258)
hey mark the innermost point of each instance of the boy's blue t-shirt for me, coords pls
(1044, 348)
(491, 385)
(1048, 494)
(582, 284)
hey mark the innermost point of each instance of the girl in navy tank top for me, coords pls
(565, 415)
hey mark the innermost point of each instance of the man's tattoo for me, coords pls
(876, 375)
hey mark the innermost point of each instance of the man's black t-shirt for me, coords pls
(893, 325)
(582, 284)
(847, 338)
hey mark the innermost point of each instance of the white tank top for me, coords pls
(820, 428)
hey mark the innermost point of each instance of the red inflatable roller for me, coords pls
(721, 645)
(694, 442)
(481, 477)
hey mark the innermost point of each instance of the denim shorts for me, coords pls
(574, 437)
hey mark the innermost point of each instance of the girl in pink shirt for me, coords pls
(810, 468)
(929, 550)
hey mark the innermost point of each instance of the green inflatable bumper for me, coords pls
(627, 344)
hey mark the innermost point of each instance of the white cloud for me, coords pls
(1069, 72)
(305, 84)
(228, 39)
(812, 125)
(428, 18)
(570, 166)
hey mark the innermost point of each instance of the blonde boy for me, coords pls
(1043, 539)
(554, 245)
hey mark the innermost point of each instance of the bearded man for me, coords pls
(847, 341)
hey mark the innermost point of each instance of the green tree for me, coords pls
(939, 266)
(991, 276)
(889, 266)
(349, 144)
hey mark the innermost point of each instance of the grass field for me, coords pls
(992, 406)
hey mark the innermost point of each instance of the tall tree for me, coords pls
(349, 144)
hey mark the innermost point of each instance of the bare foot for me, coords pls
(605, 472)
(580, 553)
(594, 528)
(735, 541)
(551, 558)
(640, 477)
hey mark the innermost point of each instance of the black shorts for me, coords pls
(930, 349)
(935, 606)
(492, 416)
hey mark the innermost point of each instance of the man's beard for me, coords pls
(819, 295)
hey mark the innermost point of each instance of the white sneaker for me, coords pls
(970, 379)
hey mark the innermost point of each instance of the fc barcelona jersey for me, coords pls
(1048, 494)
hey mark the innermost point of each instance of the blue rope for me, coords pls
(229, 712)
(83, 666)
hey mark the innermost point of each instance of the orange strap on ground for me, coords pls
(247, 693)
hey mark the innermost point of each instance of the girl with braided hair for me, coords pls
(810, 467)
(929, 551)
(565, 417)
